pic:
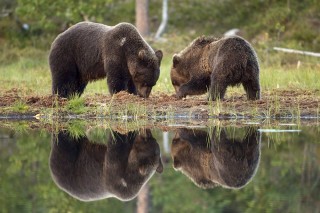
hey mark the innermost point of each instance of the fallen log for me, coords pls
(296, 51)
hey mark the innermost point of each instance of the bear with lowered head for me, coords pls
(214, 159)
(90, 51)
(211, 64)
(90, 171)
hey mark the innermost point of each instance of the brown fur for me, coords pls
(214, 64)
(222, 161)
(89, 51)
(89, 171)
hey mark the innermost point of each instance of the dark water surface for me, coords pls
(94, 168)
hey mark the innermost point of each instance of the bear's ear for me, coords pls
(142, 54)
(176, 60)
(159, 54)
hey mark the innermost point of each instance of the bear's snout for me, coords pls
(144, 92)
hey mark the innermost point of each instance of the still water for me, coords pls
(82, 167)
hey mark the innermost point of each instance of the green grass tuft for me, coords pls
(20, 106)
(76, 105)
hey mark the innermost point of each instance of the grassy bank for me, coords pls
(28, 70)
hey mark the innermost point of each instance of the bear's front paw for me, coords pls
(180, 95)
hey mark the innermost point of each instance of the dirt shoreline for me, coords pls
(275, 104)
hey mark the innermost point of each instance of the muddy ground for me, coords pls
(274, 103)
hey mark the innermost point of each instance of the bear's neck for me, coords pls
(131, 41)
(134, 45)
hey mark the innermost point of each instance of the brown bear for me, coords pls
(91, 171)
(210, 161)
(89, 51)
(214, 64)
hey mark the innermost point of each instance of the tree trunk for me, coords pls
(142, 17)
(164, 21)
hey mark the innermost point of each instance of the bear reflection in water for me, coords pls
(213, 160)
(90, 171)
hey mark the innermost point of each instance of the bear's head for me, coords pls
(189, 63)
(178, 73)
(219, 161)
(140, 163)
(145, 70)
(143, 152)
(190, 155)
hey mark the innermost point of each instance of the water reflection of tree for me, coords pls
(310, 178)
(143, 199)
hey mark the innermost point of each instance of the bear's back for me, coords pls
(82, 33)
(234, 45)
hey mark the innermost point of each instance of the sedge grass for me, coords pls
(282, 78)
(28, 71)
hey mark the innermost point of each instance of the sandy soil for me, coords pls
(274, 103)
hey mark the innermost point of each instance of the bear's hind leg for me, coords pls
(251, 82)
(67, 85)
(252, 89)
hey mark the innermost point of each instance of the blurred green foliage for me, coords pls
(53, 14)
(296, 23)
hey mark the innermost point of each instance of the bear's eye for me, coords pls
(175, 140)
(146, 63)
